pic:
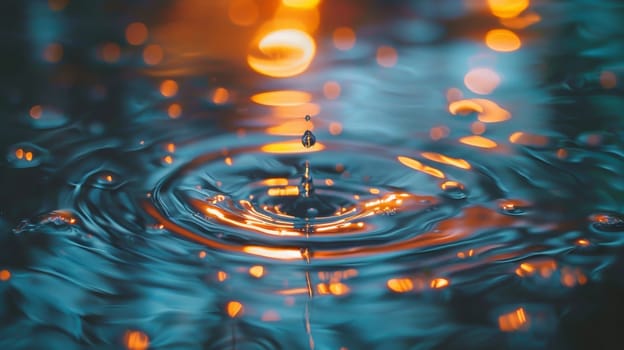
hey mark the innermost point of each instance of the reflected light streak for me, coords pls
(441, 158)
(275, 253)
(527, 139)
(488, 111)
(513, 321)
(478, 141)
(288, 191)
(400, 285)
(293, 146)
(502, 40)
(416, 165)
(439, 283)
(283, 53)
(282, 98)
(301, 4)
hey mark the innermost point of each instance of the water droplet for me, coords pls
(312, 212)
(308, 139)
(607, 222)
(307, 118)
(453, 189)
(513, 206)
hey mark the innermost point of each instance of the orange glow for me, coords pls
(387, 56)
(441, 158)
(243, 12)
(221, 276)
(293, 146)
(174, 110)
(521, 22)
(465, 107)
(582, 242)
(416, 165)
(502, 40)
(562, 153)
(478, 141)
(292, 191)
(53, 53)
(567, 278)
(275, 253)
(293, 291)
(36, 111)
(109, 178)
(5, 275)
(171, 147)
(278, 181)
(136, 33)
(608, 79)
(282, 98)
(256, 271)
(57, 5)
(19, 153)
(439, 283)
(527, 139)
(331, 90)
(454, 94)
(338, 288)
(136, 340)
(270, 316)
(168, 159)
(451, 184)
(482, 81)
(580, 277)
(234, 309)
(507, 8)
(169, 88)
(477, 128)
(110, 52)
(335, 128)
(490, 111)
(220, 96)
(344, 38)
(283, 53)
(400, 285)
(202, 254)
(513, 321)
(438, 132)
(228, 161)
(301, 4)
(28, 156)
(153, 54)
(544, 267)
(374, 191)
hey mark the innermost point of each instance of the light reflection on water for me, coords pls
(465, 177)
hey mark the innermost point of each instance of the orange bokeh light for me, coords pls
(478, 141)
(283, 53)
(513, 321)
(220, 96)
(234, 309)
(243, 12)
(256, 271)
(344, 38)
(482, 81)
(608, 80)
(136, 340)
(502, 40)
(153, 54)
(331, 90)
(387, 56)
(169, 88)
(36, 111)
(174, 110)
(439, 283)
(110, 52)
(507, 8)
(301, 4)
(400, 285)
(5, 275)
(136, 33)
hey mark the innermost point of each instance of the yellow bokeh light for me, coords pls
(502, 40)
(507, 8)
(301, 4)
(283, 53)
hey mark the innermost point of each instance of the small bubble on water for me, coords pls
(453, 189)
(308, 139)
(312, 212)
(307, 118)
(607, 222)
(513, 206)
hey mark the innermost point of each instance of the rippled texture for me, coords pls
(453, 188)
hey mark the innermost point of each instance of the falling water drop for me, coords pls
(607, 222)
(308, 139)
(307, 117)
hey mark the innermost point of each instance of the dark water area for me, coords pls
(457, 185)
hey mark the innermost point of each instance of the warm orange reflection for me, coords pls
(344, 38)
(36, 111)
(278, 181)
(283, 191)
(136, 33)
(522, 21)
(478, 141)
(221, 276)
(53, 53)
(400, 285)
(387, 56)
(608, 80)
(169, 88)
(5, 275)
(582, 242)
(545, 268)
(256, 271)
(293, 146)
(283, 53)
(416, 165)
(110, 52)
(220, 95)
(153, 54)
(507, 8)
(482, 81)
(275, 253)
(335, 128)
(136, 340)
(465, 107)
(282, 98)
(523, 138)
(338, 288)
(488, 111)
(439, 283)
(441, 158)
(302, 4)
(502, 40)
(243, 12)
(174, 111)
(234, 309)
(513, 321)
